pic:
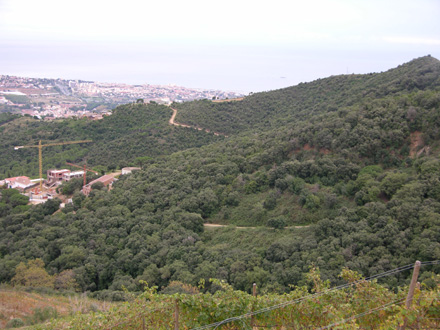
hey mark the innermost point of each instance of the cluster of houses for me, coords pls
(57, 177)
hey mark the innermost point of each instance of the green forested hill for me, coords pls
(134, 130)
(305, 101)
(360, 178)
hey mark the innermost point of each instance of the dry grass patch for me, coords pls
(20, 304)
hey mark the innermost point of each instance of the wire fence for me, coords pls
(240, 318)
(267, 318)
(141, 319)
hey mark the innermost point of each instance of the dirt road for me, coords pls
(173, 122)
(215, 225)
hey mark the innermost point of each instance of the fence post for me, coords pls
(409, 297)
(143, 322)
(176, 315)
(254, 294)
(413, 284)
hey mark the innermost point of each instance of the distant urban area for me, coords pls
(58, 98)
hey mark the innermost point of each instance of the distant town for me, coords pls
(51, 99)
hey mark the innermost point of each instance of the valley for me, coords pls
(308, 187)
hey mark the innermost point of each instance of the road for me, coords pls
(63, 89)
(215, 225)
(172, 122)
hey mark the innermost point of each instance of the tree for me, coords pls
(18, 199)
(312, 202)
(392, 182)
(271, 200)
(179, 287)
(13, 197)
(51, 206)
(32, 274)
(141, 161)
(276, 223)
(191, 221)
(66, 281)
(68, 188)
(98, 186)
(208, 201)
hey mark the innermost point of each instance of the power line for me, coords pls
(399, 301)
(428, 263)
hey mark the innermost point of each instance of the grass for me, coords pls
(257, 238)
(30, 306)
(251, 212)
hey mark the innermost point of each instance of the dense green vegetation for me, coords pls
(131, 131)
(7, 117)
(12, 202)
(305, 101)
(359, 304)
(352, 160)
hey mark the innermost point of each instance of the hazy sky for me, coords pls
(234, 45)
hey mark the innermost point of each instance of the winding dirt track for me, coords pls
(212, 225)
(172, 122)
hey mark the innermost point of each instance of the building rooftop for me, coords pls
(17, 178)
(60, 171)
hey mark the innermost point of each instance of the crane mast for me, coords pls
(84, 169)
(40, 153)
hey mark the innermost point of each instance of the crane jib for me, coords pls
(40, 157)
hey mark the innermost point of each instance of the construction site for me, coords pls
(40, 190)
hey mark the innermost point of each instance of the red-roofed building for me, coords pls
(106, 180)
(19, 182)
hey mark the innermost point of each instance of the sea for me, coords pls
(241, 68)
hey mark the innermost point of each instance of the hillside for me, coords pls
(272, 109)
(134, 130)
(360, 174)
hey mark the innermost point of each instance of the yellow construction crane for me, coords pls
(40, 153)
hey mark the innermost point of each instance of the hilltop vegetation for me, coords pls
(289, 106)
(132, 131)
(352, 157)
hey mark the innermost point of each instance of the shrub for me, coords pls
(276, 223)
(42, 314)
(15, 323)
